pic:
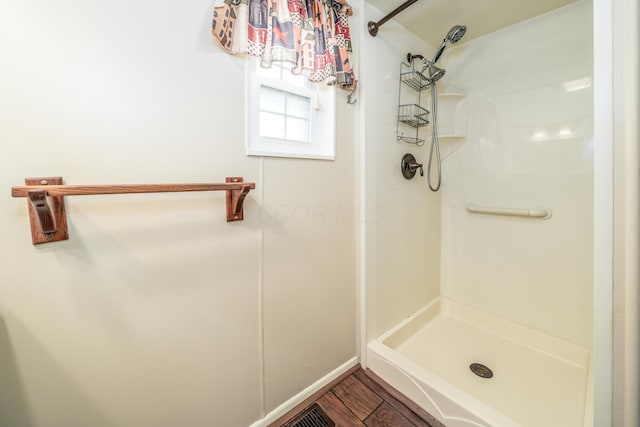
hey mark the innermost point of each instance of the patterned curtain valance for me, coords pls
(313, 35)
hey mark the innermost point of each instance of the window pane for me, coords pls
(298, 106)
(272, 125)
(298, 129)
(272, 99)
(284, 115)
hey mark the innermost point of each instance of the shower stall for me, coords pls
(474, 306)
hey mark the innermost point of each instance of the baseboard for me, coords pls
(311, 393)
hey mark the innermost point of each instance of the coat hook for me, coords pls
(350, 98)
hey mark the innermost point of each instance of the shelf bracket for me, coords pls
(235, 200)
(47, 215)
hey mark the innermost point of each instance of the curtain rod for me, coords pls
(373, 27)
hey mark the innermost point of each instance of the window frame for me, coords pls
(321, 144)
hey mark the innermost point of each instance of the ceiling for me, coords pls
(431, 19)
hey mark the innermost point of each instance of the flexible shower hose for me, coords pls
(435, 145)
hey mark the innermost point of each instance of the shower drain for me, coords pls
(481, 370)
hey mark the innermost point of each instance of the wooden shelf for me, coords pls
(48, 217)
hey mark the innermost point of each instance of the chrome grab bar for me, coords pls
(542, 213)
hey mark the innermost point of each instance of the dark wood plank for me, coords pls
(343, 402)
(357, 397)
(397, 400)
(339, 413)
(386, 416)
(314, 397)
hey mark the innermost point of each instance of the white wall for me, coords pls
(403, 217)
(152, 313)
(536, 273)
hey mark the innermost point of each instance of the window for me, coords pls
(288, 116)
(284, 115)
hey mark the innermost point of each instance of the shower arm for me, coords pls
(373, 27)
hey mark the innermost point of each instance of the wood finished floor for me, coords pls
(361, 398)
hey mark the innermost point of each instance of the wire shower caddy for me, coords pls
(412, 114)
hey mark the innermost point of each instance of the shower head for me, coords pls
(435, 73)
(455, 33)
(453, 36)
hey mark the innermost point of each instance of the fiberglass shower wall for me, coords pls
(403, 217)
(529, 145)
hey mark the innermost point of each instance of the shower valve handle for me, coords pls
(415, 165)
(409, 165)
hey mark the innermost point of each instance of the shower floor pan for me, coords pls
(537, 380)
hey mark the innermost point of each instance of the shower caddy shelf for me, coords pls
(452, 121)
(411, 114)
(414, 79)
(48, 217)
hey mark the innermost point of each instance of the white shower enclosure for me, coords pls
(445, 287)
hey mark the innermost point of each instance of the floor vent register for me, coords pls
(313, 416)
